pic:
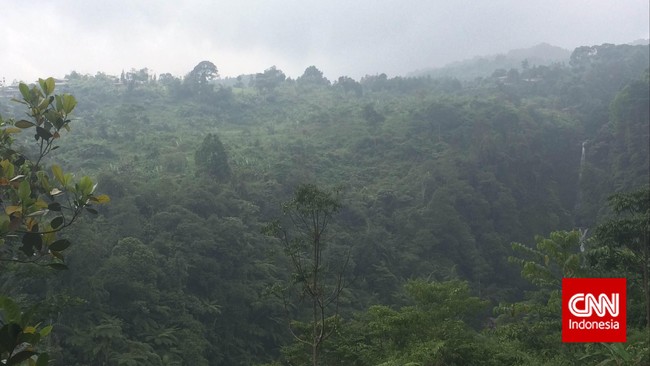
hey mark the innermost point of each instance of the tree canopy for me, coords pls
(436, 178)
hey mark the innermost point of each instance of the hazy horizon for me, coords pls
(340, 38)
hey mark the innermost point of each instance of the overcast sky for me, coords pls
(40, 38)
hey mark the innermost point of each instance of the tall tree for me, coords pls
(313, 76)
(269, 79)
(316, 277)
(371, 115)
(350, 85)
(212, 159)
(199, 78)
(630, 113)
(623, 242)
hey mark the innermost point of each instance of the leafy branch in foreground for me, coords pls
(36, 204)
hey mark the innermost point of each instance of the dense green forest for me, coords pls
(265, 220)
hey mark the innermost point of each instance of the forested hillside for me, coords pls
(542, 54)
(431, 181)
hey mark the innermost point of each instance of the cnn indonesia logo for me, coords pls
(593, 310)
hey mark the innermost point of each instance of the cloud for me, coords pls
(354, 38)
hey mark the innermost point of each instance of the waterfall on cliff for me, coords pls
(582, 163)
(579, 186)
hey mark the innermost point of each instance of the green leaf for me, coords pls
(58, 173)
(45, 103)
(43, 133)
(69, 102)
(67, 179)
(58, 255)
(29, 335)
(92, 210)
(10, 309)
(8, 168)
(60, 245)
(46, 330)
(58, 266)
(24, 124)
(18, 177)
(49, 86)
(102, 198)
(54, 118)
(9, 336)
(20, 357)
(41, 82)
(85, 185)
(12, 130)
(37, 213)
(24, 191)
(24, 90)
(56, 222)
(59, 102)
(43, 359)
(30, 241)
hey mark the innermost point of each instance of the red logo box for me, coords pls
(593, 310)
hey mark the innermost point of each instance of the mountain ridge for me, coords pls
(482, 66)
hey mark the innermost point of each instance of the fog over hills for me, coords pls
(341, 38)
(480, 66)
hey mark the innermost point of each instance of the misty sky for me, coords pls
(41, 38)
